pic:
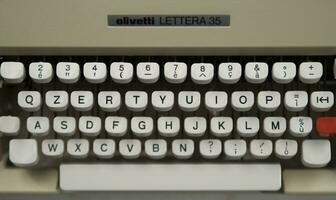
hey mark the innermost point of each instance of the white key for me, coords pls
(142, 126)
(183, 148)
(296, 101)
(189, 101)
(130, 148)
(38, 126)
(229, 73)
(89, 126)
(12, 72)
(300, 126)
(195, 126)
(104, 148)
(156, 148)
(210, 149)
(64, 126)
(310, 72)
(95, 72)
(261, 149)
(116, 126)
(286, 149)
(202, 73)
(221, 126)
(148, 72)
(168, 126)
(109, 101)
(235, 148)
(269, 101)
(78, 148)
(242, 101)
(256, 72)
(57, 100)
(53, 148)
(29, 101)
(9, 125)
(23, 152)
(121, 72)
(274, 126)
(316, 153)
(175, 72)
(163, 100)
(321, 101)
(68, 72)
(247, 126)
(283, 72)
(216, 101)
(41, 72)
(136, 100)
(82, 100)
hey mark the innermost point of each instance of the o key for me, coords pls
(326, 126)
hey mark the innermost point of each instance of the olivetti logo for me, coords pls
(135, 21)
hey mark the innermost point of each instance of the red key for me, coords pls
(326, 126)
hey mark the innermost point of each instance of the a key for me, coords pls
(283, 72)
(183, 148)
(104, 148)
(310, 72)
(247, 126)
(57, 100)
(175, 72)
(202, 73)
(78, 148)
(261, 149)
(95, 72)
(269, 101)
(274, 126)
(216, 101)
(41, 72)
(316, 153)
(163, 100)
(256, 72)
(229, 73)
(38, 126)
(148, 72)
(168, 126)
(235, 148)
(121, 72)
(296, 101)
(109, 101)
(82, 100)
(130, 148)
(9, 125)
(195, 126)
(89, 125)
(116, 126)
(12, 72)
(64, 126)
(29, 101)
(142, 126)
(221, 126)
(242, 100)
(300, 126)
(286, 149)
(23, 152)
(210, 148)
(189, 101)
(136, 100)
(68, 72)
(156, 148)
(321, 101)
(53, 148)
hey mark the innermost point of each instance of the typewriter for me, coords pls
(179, 95)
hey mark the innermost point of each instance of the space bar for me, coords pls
(170, 177)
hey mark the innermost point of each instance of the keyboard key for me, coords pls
(168, 126)
(148, 72)
(104, 148)
(175, 72)
(183, 148)
(189, 101)
(261, 149)
(68, 72)
(274, 126)
(326, 126)
(38, 126)
(235, 148)
(136, 100)
(142, 126)
(247, 126)
(296, 101)
(283, 72)
(29, 101)
(109, 101)
(216, 101)
(195, 126)
(89, 126)
(57, 100)
(310, 72)
(321, 101)
(12, 72)
(95, 72)
(229, 73)
(53, 148)
(78, 148)
(221, 126)
(210, 149)
(130, 148)
(10, 125)
(300, 126)
(269, 101)
(121, 72)
(163, 100)
(202, 73)
(64, 126)
(256, 72)
(82, 100)
(242, 100)
(286, 149)
(41, 72)
(316, 153)
(116, 126)
(156, 148)
(23, 152)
